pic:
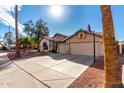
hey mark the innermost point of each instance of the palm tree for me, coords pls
(112, 67)
(16, 27)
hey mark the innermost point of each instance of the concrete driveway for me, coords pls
(56, 70)
(52, 70)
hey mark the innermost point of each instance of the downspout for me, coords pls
(94, 48)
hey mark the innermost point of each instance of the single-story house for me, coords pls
(49, 43)
(80, 43)
(121, 47)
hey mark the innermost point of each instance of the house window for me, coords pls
(81, 35)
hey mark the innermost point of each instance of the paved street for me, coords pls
(52, 70)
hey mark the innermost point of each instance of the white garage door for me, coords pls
(82, 48)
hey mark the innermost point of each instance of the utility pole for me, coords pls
(17, 34)
(9, 37)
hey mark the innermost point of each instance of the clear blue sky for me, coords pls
(72, 19)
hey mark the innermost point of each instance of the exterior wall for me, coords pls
(61, 48)
(120, 48)
(0, 46)
(82, 46)
(88, 37)
(47, 42)
(101, 51)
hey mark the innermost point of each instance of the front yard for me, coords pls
(50, 70)
(93, 77)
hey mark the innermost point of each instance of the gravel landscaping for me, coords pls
(23, 54)
(94, 75)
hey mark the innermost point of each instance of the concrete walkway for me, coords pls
(52, 70)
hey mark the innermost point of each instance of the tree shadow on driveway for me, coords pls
(4, 63)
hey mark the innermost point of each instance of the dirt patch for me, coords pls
(23, 54)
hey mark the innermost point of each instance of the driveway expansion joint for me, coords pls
(32, 76)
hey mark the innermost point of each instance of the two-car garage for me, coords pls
(81, 43)
(85, 48)
(81, 48)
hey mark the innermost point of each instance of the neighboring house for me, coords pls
(80, 43)
(0, 46)
(121, 47)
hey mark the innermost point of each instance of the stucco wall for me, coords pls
(87, 45)
(61, 48)
(47, 42)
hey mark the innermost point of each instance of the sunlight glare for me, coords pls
(56, 11)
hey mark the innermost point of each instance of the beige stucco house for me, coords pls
(80, 43)
(50, 44)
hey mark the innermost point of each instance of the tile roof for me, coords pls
(82, 30)
(99, 34)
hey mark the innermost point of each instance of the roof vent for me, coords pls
(89, 28)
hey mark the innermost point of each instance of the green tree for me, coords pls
(36, 31)
(40, 29)
(34, 42)
(28, 28)
(8, 38)
(25, 41)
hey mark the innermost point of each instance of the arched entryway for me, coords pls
(45, 46)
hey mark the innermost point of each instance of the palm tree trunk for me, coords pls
(112, 67)
(16, 27)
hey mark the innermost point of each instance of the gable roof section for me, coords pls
(46, 37)
(98, 34)
(82, 30)
(60, 39)
(59, 34)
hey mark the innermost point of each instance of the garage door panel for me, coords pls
(82, 48)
